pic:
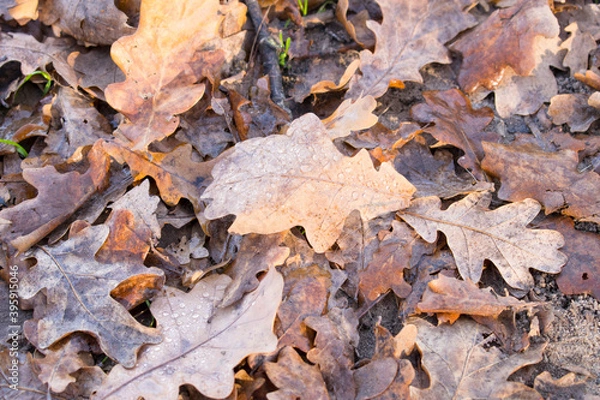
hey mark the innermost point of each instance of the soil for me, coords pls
(574, 335)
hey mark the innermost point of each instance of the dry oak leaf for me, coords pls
(574, 110)
(295, 378)
(456, 123)
(78, 290)
(475, 234)
(504, 40)
(462, 365)
(525, 171)
(579, 45)
(176, 174)
(202, 343)
(59, 196)
(449, 298)
(351, 115)
(25, 385)
(402, 49)
(162, 62)
(322, 76)
(434, 174)
(275, 183)
(97, 22)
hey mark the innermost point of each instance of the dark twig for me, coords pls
(268, 52)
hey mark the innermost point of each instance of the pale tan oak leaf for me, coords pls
(275, 183)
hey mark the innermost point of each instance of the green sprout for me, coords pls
(44, 75)
(22, 152)
(303, 6)
(284, 48)
(324, 6)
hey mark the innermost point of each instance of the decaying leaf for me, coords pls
(59, 196)
(26, 385)
(162, 62)
(490, 49)
(402, 49)
(322, 77)
(78, 291)
(294, 378)
(275, 183)
(461, 364)
(573, 109)
(456, 123)
(98, 22)
(525, 171)
(579, 45)
(474, 234)
(434, 174)
(198, 341)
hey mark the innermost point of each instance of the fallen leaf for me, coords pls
(22, 11)
(351, 115)
(34, 55)
(257, 253)
(401, 50)
(59, 196)
(176, 174)
(273, 183)
(162, 62)
(78, 291)
(294, 378)
(550, 178)
(524, 95)
(581, 273)
(474, 234)
(495, 38)
(579, 45)
(197, 349)
(456, 123)
(334, 350)
(567, 386)
(322, 76)
(61, 361)
(98, 22)
(373, 379)
(22, 382)
(573, 109)
(461, 364)
(356, 24)
(434, 174)
(75, 124)
(386, 270)
(96, 70)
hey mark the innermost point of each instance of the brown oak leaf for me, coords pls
(456, 123)
(474, 234)
(460, 364)
(490, 49)
(351, 115)
(162, 62)
(434, 174)
(550, 178)
(573, 109)
(98, 22)
(402, 49)
(579, 45)
(275, 183)
(203, 343)
(78, 290)
(59, 196)
(295, 378)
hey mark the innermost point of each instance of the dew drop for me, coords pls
(175, 315)
(340, 176)
(205, 294)
(355, 195)
(181, 305)
(305, 168)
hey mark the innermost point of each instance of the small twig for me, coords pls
(268, 54)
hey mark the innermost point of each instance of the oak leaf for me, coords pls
(402, 49)
(203, 343)
(59, 196)
(579, 45)
(495, 38)
(434, 174)
(28, 385)
(78, 291)
(96, 70)
(351, 115)
(322, 76)
(294, 378)
(460, 364)
(474, 234)
(456, 123)
(162, 62)
(573, 109)
(275, 183)
(97, 22)
(550, 178)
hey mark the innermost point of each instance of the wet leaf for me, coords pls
(474, 234)
(271, 184)
(197, 348)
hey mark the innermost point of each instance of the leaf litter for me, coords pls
(179, 234)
